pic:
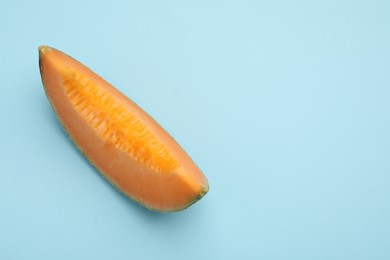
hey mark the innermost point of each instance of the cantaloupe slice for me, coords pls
(121, 140)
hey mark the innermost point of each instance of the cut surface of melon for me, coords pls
(120, 139)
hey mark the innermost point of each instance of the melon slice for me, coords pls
(129, 148)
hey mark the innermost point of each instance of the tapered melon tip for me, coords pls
(197, 198)
(194, 200)
(42, 49)
(202, 193)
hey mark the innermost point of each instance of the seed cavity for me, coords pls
(117, 125)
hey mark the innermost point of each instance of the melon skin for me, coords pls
(125, 144)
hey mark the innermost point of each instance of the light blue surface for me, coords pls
(285, 106)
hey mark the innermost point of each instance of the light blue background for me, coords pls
(283, 104)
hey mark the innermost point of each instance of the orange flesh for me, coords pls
(121, 140)
(117, 125)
